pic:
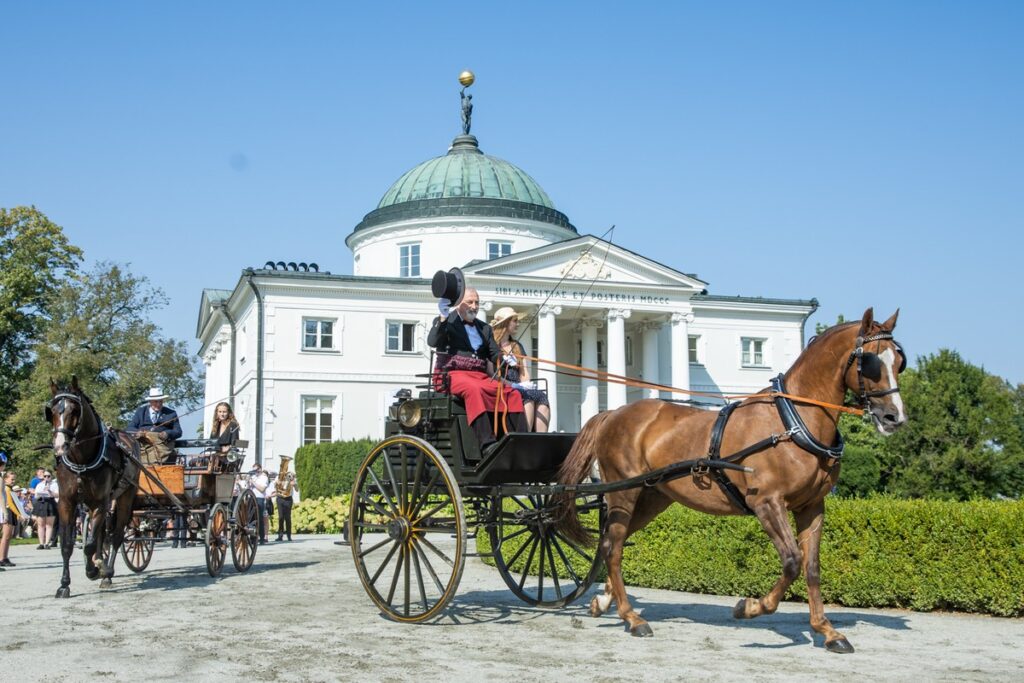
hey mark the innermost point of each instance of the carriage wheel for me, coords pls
(540, 565)
(407, 529)
(245, 531)
(137, 549)
(216, 539)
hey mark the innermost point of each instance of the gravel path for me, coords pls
(300, 614)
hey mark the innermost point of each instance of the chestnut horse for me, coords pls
(792, 470)
(93, 468)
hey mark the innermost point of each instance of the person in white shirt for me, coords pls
(45, 508)
(258, 483)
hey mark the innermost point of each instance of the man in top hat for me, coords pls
(465, 344)
(156, 427)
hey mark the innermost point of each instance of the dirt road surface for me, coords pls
(300, 614)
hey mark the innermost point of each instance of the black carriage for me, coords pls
(427, 489)
(199, 489)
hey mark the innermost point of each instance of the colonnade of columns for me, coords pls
(615, 353)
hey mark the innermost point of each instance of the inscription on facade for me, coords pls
(581, 295)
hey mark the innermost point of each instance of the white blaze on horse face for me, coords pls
(59, 439)
(888, 358)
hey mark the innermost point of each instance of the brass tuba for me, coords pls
(285, 482)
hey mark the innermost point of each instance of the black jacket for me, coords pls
(448, 335)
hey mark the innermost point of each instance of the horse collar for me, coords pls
(796, 428)
(99, 460)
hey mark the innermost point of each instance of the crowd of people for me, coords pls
(27, 510)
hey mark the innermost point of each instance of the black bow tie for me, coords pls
(467, 322)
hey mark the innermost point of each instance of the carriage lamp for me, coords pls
(410, 414)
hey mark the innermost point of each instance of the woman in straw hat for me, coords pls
(516, 371)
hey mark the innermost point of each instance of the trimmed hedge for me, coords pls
(877, 552)
(329, 469)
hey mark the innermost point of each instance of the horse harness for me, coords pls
(868, 365)
(106, 435)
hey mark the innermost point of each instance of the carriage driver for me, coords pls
(156, 427)
(465, 344)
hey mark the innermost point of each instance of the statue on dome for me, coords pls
(467, 111)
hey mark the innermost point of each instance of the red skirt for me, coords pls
(480, 393)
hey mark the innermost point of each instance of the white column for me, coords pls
(651, 369)
(617, 355)
(681, 352)
(590, 403)
(547, 348)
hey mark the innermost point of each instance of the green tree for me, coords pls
(965, 434)
(35, 256)
(99, 330)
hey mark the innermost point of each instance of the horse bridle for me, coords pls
(870, 365)
(72, 435)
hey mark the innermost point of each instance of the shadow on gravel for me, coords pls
(496, 606)
(793, 626)
(178, 578)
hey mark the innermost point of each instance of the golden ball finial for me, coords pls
(466, 78)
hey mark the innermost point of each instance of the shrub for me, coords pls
(321, 515)
(328, 469)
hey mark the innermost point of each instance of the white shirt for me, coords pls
(258, 483)
(44, 490)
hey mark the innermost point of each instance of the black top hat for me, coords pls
(450, 285)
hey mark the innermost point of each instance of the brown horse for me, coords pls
(792, 470)
(93, 469)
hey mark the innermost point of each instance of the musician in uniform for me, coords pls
(156, 427)
(284, 486)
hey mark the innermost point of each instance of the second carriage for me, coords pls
(199, 489)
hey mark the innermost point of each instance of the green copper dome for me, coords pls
(465, 171)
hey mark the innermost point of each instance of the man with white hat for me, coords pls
(156, 427)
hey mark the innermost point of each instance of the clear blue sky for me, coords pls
(864, 153)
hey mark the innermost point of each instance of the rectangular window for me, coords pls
(497, 249)
(317, 418)
(753, 352)
(600, 352)
(409, 260)
(692, 348)
(317, 333)
(401, 337)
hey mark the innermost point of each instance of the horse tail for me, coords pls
(573, 470)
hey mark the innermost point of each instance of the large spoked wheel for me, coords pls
(540, 565)
(407, 529)
(216, 539)
(137, 549)
(245, 531)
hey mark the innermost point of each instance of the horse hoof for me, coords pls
(63, 592)
(839, 646)
(105, 583)
(92, 573)
(740, 610)
(643, 630)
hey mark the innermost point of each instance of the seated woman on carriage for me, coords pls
(516, 371)
(225, 430)
(465, 345)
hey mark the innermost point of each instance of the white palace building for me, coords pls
(306, 356)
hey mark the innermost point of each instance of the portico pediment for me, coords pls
(585, 259)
